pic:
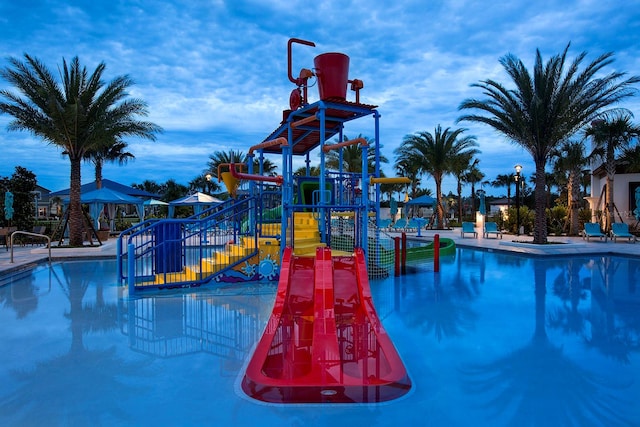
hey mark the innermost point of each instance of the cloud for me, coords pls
(214, 74)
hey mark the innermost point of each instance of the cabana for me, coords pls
(198, 200)
(97, 199)
(151, 205)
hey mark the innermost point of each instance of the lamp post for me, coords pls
(517, 178)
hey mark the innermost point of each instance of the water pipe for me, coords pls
(292, 41)
(278, 141)
(278, 180)
(356, 85)
(361, 141)
(305, 74)
(303, 121)
(390, 180)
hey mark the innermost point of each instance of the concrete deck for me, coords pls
(27, 256)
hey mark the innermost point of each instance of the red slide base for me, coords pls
(324, 342)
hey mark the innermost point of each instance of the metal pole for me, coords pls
(518, 203)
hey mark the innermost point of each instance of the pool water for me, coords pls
(494, 339)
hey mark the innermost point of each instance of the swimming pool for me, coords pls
(493, 339)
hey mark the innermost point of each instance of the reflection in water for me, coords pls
(539, 381)
(223, 325)
(79, 376)
(615, 308)
(483, 336)
(22, 298)
(95, 384)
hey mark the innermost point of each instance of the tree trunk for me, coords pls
(98, 165)
(76, 220)
(573, 190)
(540, 224)
(610, 166)
(609, 208)
(459, 201)
(439, 211)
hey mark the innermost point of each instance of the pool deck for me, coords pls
(27, 256)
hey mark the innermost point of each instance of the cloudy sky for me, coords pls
(214, 72)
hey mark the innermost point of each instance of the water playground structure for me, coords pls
(317, 235)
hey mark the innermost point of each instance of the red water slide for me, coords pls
(324, 342)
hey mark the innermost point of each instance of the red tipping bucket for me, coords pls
(332, 70)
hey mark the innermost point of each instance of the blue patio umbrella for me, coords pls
(8, 205)
(483, 208)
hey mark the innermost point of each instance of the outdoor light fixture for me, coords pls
(517, 178)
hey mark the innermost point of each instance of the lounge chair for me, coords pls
(621, 229)
(33, 240)
(467, 227)
(4, 237)
(491, 228)
(384, 224)
(592, 229)
(399, 225)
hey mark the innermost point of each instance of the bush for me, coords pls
(526, 220)
(556, 220)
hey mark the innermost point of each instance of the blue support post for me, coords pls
(252, 193)
(364, 201)
(376, 118)
(322, 210)
(287, 190)
(131, 268)
(119, 258)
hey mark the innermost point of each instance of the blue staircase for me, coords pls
(179, 253)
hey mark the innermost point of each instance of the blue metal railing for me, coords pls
(187, 252)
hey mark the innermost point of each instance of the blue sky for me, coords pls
(214, 73)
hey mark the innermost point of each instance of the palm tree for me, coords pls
(630, 159)
(411, 170)
(473, 176)
(149, 186)
(352, 157)
(232, 156)
(80, 115)
(433, 155)
(546, 108)
(609, 136)
(571, 159)
(504, 180)
(204, 183)
(114, 152)
(302, 171)
(459, 166)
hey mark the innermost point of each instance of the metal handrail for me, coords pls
(27, 233)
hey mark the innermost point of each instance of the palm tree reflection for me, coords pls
(615, 319)
(81, 386)
(442, 310)
(538, 384)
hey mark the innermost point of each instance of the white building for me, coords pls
(624, 189)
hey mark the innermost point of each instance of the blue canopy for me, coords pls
(422, 201)
(97, 199)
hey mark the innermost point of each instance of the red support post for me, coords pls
(404, 253)
(436, 253)
(396, 257)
